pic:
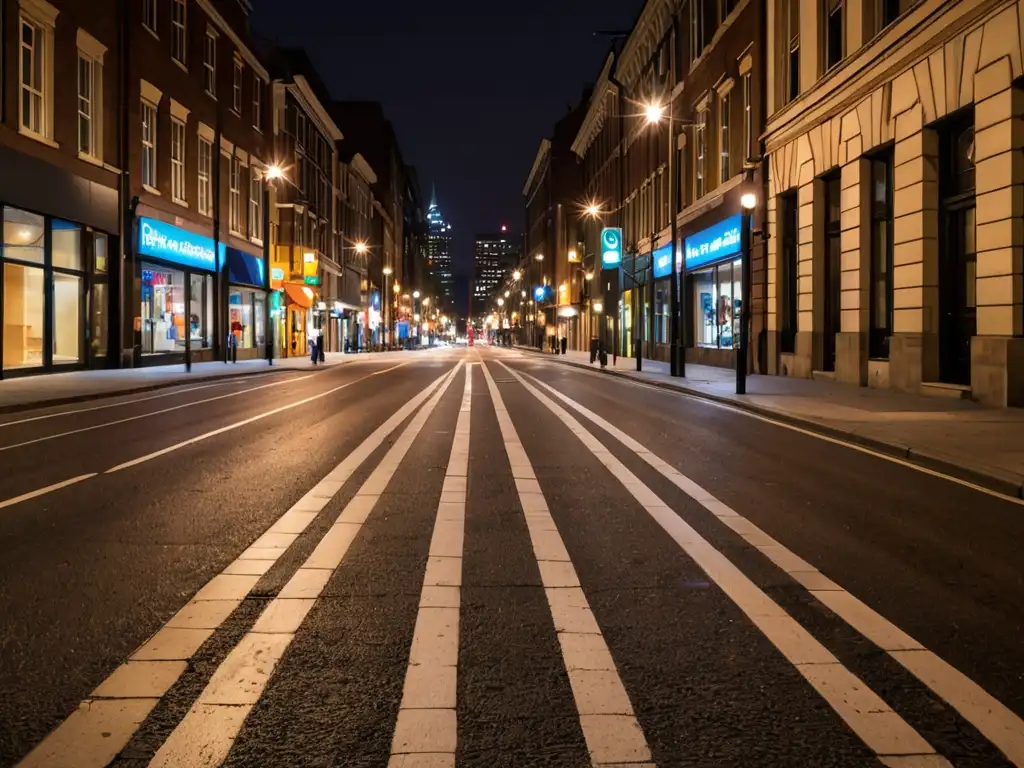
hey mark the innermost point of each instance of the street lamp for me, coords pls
(516, 275)
(273, 173)
(653, 113)
(386, 271)
(748, 202)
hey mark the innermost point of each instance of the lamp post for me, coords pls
(273, 173)
(416, 315)
(748, 201)
(386, 272)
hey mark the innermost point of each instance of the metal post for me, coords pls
(267, 329)
(741, 352)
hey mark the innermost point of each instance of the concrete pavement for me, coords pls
(484, 559)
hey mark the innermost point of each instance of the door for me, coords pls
(833, 273)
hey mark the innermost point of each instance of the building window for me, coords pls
(881, 298)
(87, 104)
(748, 119)
(789, 250)
(148, 145)
(257, 103)
(700, 138)
(35, 71)
(149, 13)
(255, 206)
(205, 201)
(833, 33)
(210, 63)
(235, 196)
(888, 12)
(716, 295)
(179, 38)
(697, 42)
(791, 87)
(725, 105)
(177, 161)
(236, 88)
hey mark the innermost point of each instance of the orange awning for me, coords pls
(299, 295)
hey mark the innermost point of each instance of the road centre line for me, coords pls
(625, 380)
(882, 729)
(609, 724)
(43, 491)
(245, 422)
(150, 414)
(427, 723)
(103, 724)
(997, 722)
(205, 735)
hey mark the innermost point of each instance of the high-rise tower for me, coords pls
(439, 251)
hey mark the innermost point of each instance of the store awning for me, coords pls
(299, 295)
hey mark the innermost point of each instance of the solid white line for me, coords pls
(93, 735)
(148, 415)
(42, 491)
(793, 428)
(427, 721)
(874, 721)
(244, 422)
(205, 735)
(997, 722)
(609, 724)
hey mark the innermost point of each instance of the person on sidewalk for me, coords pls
(314, 355)
(320, 346)
(565, 344)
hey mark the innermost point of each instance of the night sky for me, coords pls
(471, 86)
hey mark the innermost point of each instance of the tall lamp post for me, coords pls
(385, 272)
(273, 173)
(416, 315)
(748, 201)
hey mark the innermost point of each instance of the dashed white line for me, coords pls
(875, 722)
(205, 735)
(997, 722)
(610, 727)
(427, 727)
(103, 724)
(43, 491)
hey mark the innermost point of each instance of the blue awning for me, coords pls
(245, 269)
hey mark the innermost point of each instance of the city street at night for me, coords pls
(476, 556)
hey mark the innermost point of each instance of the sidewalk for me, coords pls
(957, 437)
(59, 388)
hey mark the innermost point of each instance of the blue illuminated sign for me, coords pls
(717, 242)
(611, 246)
(543, 293)
(162, 241)
(662, 261)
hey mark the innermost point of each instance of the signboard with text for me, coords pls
(159, 240)
(611, 246)
(716, 243)
(662, 261)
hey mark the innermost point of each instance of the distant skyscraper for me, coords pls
(496, 256)
(439, 251)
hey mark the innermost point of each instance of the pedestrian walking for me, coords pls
(565, 344)
(314, 354)
(320, 347)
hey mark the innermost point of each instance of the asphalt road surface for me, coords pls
(483, 558)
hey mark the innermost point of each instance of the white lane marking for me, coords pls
(106, 406)
(427, 723)
(148, 415)
(244, 422)
(86, 738)
(997, 722)
(810, 433)
(609, 724)
(874, 721)
(42, 491)
(205, 735)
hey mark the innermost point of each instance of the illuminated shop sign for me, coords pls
(611, 246)
(717, 242)
(163, 241)
(662, 261)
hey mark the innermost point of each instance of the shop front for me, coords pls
(177, 272)
(55, 303)
(247, 303)
(660, 326)
(714, 292)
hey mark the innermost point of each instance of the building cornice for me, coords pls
(363, 168)
(218, 21)
(655, 20)
(305, 95)
(597, 111)
(545, 147)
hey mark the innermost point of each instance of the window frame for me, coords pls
(150, 15)
(830, 10)
(179, 33)
(724, 128)
(235, 195)
(178, 164)
(237, 80)
(789, 270)
(149, 145)
(882, 212)
(40, 18)
(256, 205)
(257, 103)
(700, 155)
(748, 117)
(204, 201)
(88, 115)
(210, 62)
(791, 72)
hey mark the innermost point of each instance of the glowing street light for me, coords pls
(415, 294)
(593, 210)
(523, 294)
(517, 275)
(539, 257)
(506, 294)
(589, 275)
(654, 112)
(362, 248)
(274, 173)
(501, 302)
(386, 271)
(748, 200)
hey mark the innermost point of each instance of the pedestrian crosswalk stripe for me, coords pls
(993, 719)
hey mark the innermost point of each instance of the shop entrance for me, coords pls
(832, 324)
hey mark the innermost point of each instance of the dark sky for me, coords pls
(471, 86)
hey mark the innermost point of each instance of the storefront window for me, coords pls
(24, 236)
(200, 315)
(67, 245)
(661, 312)
(240, 306)
(23, 316)
(259, 319)
(98, 315)
(67, 318)
(717, 296)
(163, 310)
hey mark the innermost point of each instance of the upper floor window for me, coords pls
(257, 103)
(149, 13)
(177, 161)
(36, 74)
(179, 38)
(236, 88)
(791, 29)
(725, 105)
(89, 103)
(210, 63)
(235, 196)
(748, 120)
(255, 206)
(834, 42)
(885, 12)
(205, 200)
(700, 139)
(148, 145)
